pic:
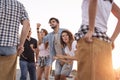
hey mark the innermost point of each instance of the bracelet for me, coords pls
(37, 28)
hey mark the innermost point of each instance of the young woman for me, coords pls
(69, 44)
(43, 58)
(93, 43)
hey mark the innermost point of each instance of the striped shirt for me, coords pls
(12, 13)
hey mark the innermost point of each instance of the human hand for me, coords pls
(112, 42)
(113, 46)
(38, 25)
(20, 50)
(36, 64)
(55, 57)
(61, 56)
(32, 47)
(88, 36)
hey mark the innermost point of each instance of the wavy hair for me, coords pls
(46, 32)
(71, 38)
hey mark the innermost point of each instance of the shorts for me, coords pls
(64, 69)
(44, 61)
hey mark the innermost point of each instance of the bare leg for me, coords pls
(57, 77)
(39, 73)
(47, 72)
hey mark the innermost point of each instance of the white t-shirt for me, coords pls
(72, 51)
(103, 12)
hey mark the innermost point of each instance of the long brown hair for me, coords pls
(71, 38)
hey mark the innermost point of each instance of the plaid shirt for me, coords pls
(12, 13)
(84, 29)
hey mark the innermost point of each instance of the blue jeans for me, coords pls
(27, 67)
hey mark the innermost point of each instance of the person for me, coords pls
(53, 38)
(69, 45)
(43, 57)
(12, 13)
(27, 58)
(94, 48)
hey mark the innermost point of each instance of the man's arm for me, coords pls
(92, 16)
(65, 57)
(24, 32)
(37, 53)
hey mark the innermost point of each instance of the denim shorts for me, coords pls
(7, 50)
(44, 61)
(62, 69)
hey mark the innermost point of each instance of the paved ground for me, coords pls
(51, 77)
(18, 76)
(72, 73)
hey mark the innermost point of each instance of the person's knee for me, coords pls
(39, 77)
(46, 77)
(57, 77)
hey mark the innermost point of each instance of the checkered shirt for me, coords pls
(12, 13)
(84, 29)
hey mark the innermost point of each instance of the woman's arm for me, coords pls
(116, 13)
(38, 32)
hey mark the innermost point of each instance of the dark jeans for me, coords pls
(27, 67)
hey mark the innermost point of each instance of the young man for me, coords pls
(12, 13)
(94, 49)
(55, 48)
(27, 58)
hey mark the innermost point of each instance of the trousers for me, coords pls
(94, 60)
(8, 67)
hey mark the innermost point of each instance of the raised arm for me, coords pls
(38, 32)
